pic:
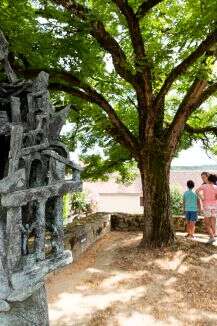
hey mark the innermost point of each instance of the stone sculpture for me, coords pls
(32, 184)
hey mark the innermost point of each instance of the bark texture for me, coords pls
(158, 229)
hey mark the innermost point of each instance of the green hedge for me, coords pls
(176, 202)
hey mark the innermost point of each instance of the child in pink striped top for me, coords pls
(208, 195)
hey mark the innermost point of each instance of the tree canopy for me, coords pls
(107, 57)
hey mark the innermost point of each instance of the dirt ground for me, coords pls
(117, 283)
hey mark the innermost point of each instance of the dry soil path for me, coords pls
(117, 283)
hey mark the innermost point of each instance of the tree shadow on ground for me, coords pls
(117, 283)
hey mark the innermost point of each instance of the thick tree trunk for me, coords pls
(154, 170)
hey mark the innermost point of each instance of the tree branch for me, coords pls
(134, 29)
(207, 129)
(209, 91)
(143, 76)
(184, 65)
(53, 74)
(106, 41)
(119, 130)
(197, 95)
(67, 82)
(190, 102)
(145, 7)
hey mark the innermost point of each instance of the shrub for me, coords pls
(76, 205)
(176, 202)
(79, 203)
(66, 206)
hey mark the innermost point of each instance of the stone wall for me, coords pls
(132, 222)
(180, 223)
(80, 234)
(127, 222)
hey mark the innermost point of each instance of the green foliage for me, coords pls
(79, 203)
(74, 204)
(66, 206)
(114, 158)
(176, 202)
(43, 35)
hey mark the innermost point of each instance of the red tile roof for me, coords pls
(111, 187)
(178, 179)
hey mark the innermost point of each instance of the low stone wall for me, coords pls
(80, 234)
(132, 222)
(179, 224)
(127, 222)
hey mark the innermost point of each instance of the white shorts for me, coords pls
(210, 211)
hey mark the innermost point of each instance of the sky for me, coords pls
(195, 155)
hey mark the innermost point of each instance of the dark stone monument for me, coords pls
(32, 183)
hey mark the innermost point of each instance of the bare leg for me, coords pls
(213, 224)
(208, 226)
(187, 228)
(192, 228)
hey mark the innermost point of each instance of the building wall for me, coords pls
(178, 179)
(125, 203)
(115, 197)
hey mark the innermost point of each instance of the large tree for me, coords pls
(138, 72)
